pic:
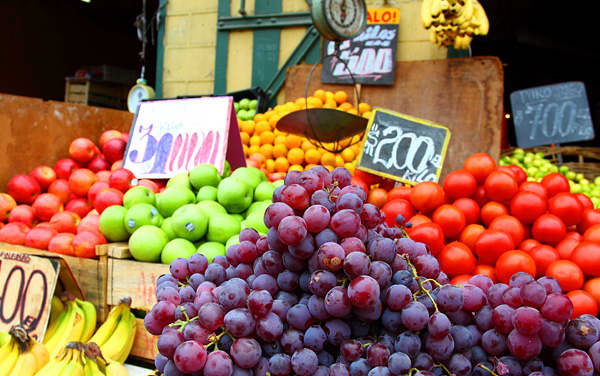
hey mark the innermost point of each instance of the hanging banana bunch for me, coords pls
(454, 22)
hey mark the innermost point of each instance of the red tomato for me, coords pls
(574, 235)
(427, 196)
(528, 244)
(450, 219)
(593, 287)
(590, 218)
(520, 174)
(469, 234)
(492, 210)
(543, 255)
(527, 206)
(567, 207)
(592, 234)
(584, 200)
(460, 279)
(491, 244)
(506, 169)
(510, 225)
(587, 256)
(567, 273)
(549, 229)
(418, 219)
(429, 233)
(459, 183)
(469, 208)
(480, 196)
(535, 187)
(456, 259)
(479, 165)
(583, 302)
(487, 271)
(555, 183)
(370, 179)
(355, 180)
(511, 262)
(566, 247)
(401, 191)
(500, 186)
(395, 207)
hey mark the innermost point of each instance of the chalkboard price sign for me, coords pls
(403, 148)
(551, 114)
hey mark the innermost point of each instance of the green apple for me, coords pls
(203, 175)
(256, 221)
(236, 106)
(264, 191)
(242, 114)
(211, 249)
(221, 227)
(177, 248)
(250, 175)
(226, 169)
(250, 114)
(140, 215)
(211, 207)
(182, 179)
(239, 217)
(257, 206)
(245, 103)
(189, 222)
(167, 227)
(253, 103)
(234, 194)
(138, 195)
(172, 198)
(147, 243)
(112, 224)
(597, 180)
(207, 193)
(235, 239)
(278, 183)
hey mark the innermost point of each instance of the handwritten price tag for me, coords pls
(172, 136)
(27, 284)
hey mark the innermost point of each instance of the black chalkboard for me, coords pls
(403, 148)
(371, 58)
(551, 114)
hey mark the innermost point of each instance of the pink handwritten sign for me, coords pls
(171, 136)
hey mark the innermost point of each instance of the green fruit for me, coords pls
(250, 175)
(182, 179)
(112, 224)
(278, 183)
(239, 217)
(257, 206)
(571, 175)
(177, 248)
(167, 227)
(245, 103)
(189, 222)
(147, 243)
(172, 198)
(256, 221)
(140, 215)
(253, 103)
(226, 170)
(204, 175)
(234, 194)
(207, 193)
(242, 114)
(264, 191)
(138, 195)
(211, 207)
(563, 169)
(221, 227)
(597, 180)
(250, 114)
(211, 249)
(235, 239)
(236, 106)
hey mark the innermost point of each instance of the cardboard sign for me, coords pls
(403, 148)
(27, 284)
(171, 136)
(371, 56)
(551, 114)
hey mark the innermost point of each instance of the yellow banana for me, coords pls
(4, 338)
(57, 364)
(119, 345)
(75, 366)
(436, 8)
(91, 368)
(466, 14)
(40, 353)
(108, 327)
(481, 17)
(56, 308)
(72, 332)
(89, 313)
(55, 323)
(8, 363)
(56, 328)
(426, 13)
(26, 365)
(116, 369)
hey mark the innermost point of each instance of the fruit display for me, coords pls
(78, 358)
(245, 108)
(199, 211)
(276, 152)
(20, 354)
(333, 289)
(454, 22)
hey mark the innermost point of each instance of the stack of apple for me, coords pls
(200, 211)
(58, 208)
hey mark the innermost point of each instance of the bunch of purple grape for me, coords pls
(331, 290)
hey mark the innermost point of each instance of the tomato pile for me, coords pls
(490, 219)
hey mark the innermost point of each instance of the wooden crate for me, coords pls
(96, 93)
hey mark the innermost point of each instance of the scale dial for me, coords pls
(137, 94)
(339, 20)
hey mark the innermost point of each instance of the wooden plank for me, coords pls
(463, 94)
(134, 279)
(145, 344)
(118, 250)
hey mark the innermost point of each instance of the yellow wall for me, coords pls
(191, 32)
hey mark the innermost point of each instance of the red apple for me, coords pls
(44, 175)
(65, 221)
(89, 223)
(82, 150)
(23, 188)
(81, 181)
(98, 163)
(22, 214)
(62, 243)
(14, 233)
(39, 237)
(107, 197)
(44, 225)
(109, 135)
(64, 168)
(79, 205)
(149, 184)
(84, 244)
(121, 179)
(46, 205)
(117, 165)
(7, 203)
(95, 189)
(60, 187)
(103, 175)
(125, 136)
(114, 149)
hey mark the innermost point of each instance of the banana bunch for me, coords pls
(78, 359)
(71, 320)
(454, 22)
(20, 354)
(116, 335)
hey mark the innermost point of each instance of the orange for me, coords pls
(295, 167)
(348, 155)
(279, 150)
(307, 145)
(329, 95)
(245, 138)
(314, 102)
(328, 159)
(269, 114)
(281, 164)
(340, 96)
(352, 111)
(309, 166)
(367, 114)
(261, 127)
(330, 168)
(267, 137)
(345, 106)
(320, 93)
(349, 166)
(266, 150)
(255, 140)
(260, 117)
(301, 102)
(362, 108)
(273, 121)
(253, 149)
(339, 161)
(330, 103)
(280, 139)
(377, 197)
(245, 147)
(295, 156)
(312, 156)
(258, 158)
(270, 165)
(247, 126)
(293, 141)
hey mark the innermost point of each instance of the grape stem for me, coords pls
(444, 368)
(419, 283)
(410, 371)
(487, 369)
(434, 281)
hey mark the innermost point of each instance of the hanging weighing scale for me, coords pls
(141, 90)
(336, 20)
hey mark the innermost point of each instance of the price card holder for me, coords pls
(403, 148)
(171, 136)
(551, 114)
